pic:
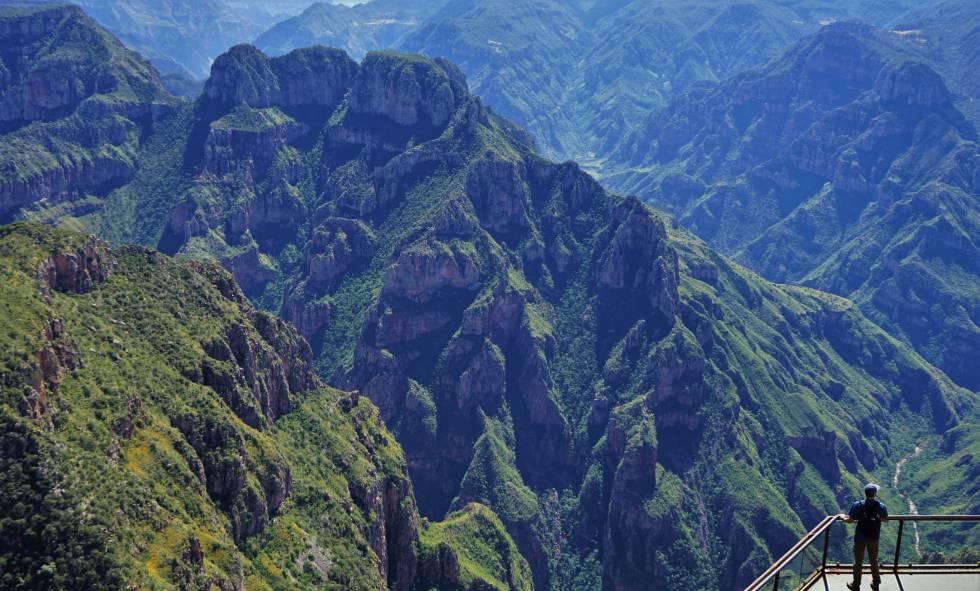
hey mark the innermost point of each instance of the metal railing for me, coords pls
(820, 534)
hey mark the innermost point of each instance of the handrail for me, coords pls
(901, 519)
(771, 575)
(933, 518)
(792, 553)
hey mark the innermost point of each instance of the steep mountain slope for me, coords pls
(274, 7)
(845, 166)
(158, 432)
(182, 37)
(647, 52)
(74, 107)
(379, 24)
(947, 34)
(941, 477)
(537, 344)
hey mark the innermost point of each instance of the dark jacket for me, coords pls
(868, 513)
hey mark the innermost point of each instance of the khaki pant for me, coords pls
(872, 548)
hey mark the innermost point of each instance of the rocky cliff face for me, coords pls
(258, 110)
(196, 429)
(411, 92)
(259, 115)
(76, 271)
(311, 77)
(47, 89)
(831, 167)
(74, 105)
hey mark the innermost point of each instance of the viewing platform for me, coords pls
(806, 566)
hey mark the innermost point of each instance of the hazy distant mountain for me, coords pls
(844, 165)
(947, 36)
(182, 37)
(578, 74)
(379, 24)
(520, 56)
(279, 8)
(178, 36)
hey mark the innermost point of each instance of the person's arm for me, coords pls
(884, 511)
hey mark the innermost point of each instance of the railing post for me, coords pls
(775, 584)
(826, 541)
(898, 545)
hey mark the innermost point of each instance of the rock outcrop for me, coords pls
(310, 77)
(429, 269)
(251, 494)
(394, 533)
(58, 354)
(450, 550)
(76, 270)
(408, 91)
(338, 244)
(247, 142)
(913, 84)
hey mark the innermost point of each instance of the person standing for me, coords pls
(868, 514)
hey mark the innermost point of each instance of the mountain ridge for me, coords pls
(76, 106)
(839, 188)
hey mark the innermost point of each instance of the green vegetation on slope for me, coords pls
(473, 543)
(145, 441)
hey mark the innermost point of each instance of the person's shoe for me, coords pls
(854, 586)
